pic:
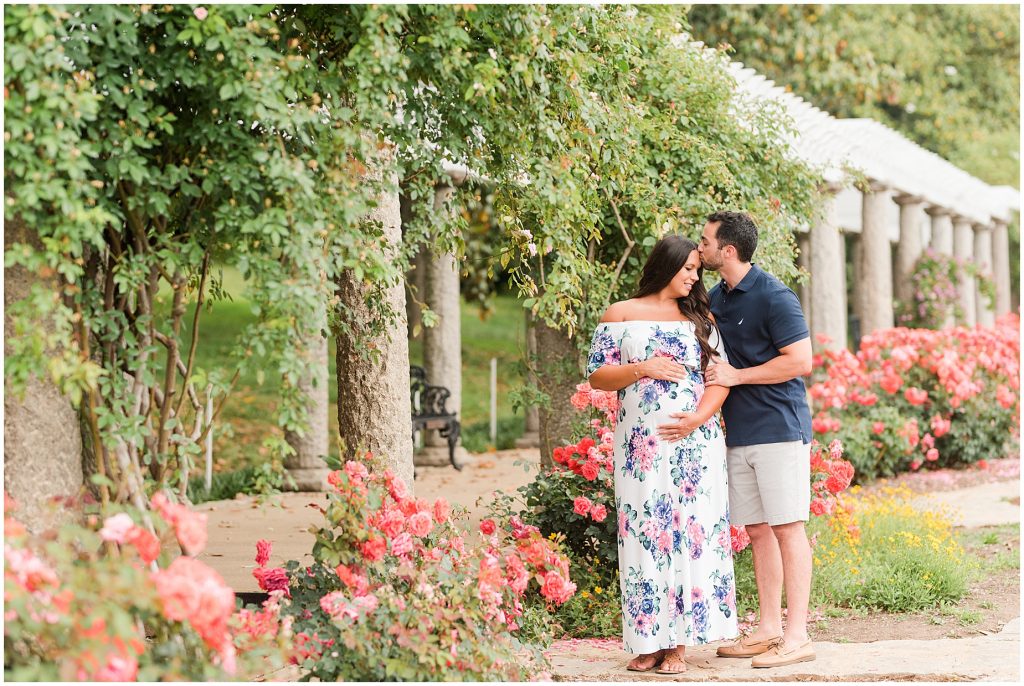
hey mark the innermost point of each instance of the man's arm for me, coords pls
(793, 361)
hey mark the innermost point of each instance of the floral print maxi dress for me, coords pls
(675, 551)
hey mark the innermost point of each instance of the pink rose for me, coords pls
(263, 548)
(598, 513)
(200, 13)
(146, 543)
(401, 544)
(272, 579)
(441, 511)
(374, 548)
(116, 529)
(420, 524)
(487, 527)
(556, 588)
(590, 470)
(191, 531)
(356, 470)
(581, 505)
(396, 487)
(932, 455)
(118, 668)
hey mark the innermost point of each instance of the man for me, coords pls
(768, 433)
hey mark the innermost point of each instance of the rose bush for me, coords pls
(105, 601)
(915, 397)
(396, 592)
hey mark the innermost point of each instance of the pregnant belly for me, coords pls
(655, 403)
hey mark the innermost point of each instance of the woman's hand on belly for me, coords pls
(682, 425)
(664, 369)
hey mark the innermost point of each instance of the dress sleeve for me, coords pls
(604, 349)
(715, 339)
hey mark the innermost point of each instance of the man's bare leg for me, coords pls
(768, 573)
(797, 565)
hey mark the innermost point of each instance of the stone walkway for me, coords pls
(981, 658)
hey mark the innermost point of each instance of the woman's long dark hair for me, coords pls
(666, 259)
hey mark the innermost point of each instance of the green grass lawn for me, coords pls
(247, 418)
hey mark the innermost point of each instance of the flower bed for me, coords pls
(396, 592)
(106, 601)
(916, 397)
(890, 555)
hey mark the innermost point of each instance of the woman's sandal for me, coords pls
(672, 660)
(657, 657)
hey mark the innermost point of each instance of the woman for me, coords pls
(671, 491)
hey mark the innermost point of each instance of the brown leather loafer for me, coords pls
(746, 648)
(783, 654)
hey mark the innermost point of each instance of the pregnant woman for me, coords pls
(671, 490)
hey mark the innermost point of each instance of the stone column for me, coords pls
(531, 438)
(442, 343)
(874, 287)
(984, 309)
(415, 287)
(43, 452)
(828, 276)
(942, 230)
(1001, 265)
(963, 249)
(373, 391)
(908, 250)
(803, 260)
(306, 466)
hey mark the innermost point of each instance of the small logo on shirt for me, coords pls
(739, 322)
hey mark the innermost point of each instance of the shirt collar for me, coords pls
(746, 283)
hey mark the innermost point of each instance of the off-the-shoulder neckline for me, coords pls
(649, 321)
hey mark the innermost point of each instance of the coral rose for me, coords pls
(420, 524)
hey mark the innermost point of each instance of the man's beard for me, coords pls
(710, 266)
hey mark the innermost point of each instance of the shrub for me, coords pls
(266, 478)
(395, 592)
(912, 397)
(935, 298)
(89, 602)
(476, 437)
(885, 554)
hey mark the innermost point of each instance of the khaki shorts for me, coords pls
(769, 483)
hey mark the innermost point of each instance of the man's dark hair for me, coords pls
(738, 230)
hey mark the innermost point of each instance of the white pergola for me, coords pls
(912, 199)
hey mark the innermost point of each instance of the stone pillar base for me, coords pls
(530, 439)
(437, 456)
(308, 480)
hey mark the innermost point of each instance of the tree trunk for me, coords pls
(531, 435)
(42, 439)
(373, 391)
(558, 374)
(307, 467)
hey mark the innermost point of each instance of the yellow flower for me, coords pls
(598, 590)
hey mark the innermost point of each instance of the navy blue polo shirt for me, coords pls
(757, 318)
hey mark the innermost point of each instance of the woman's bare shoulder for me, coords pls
(619, 312)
